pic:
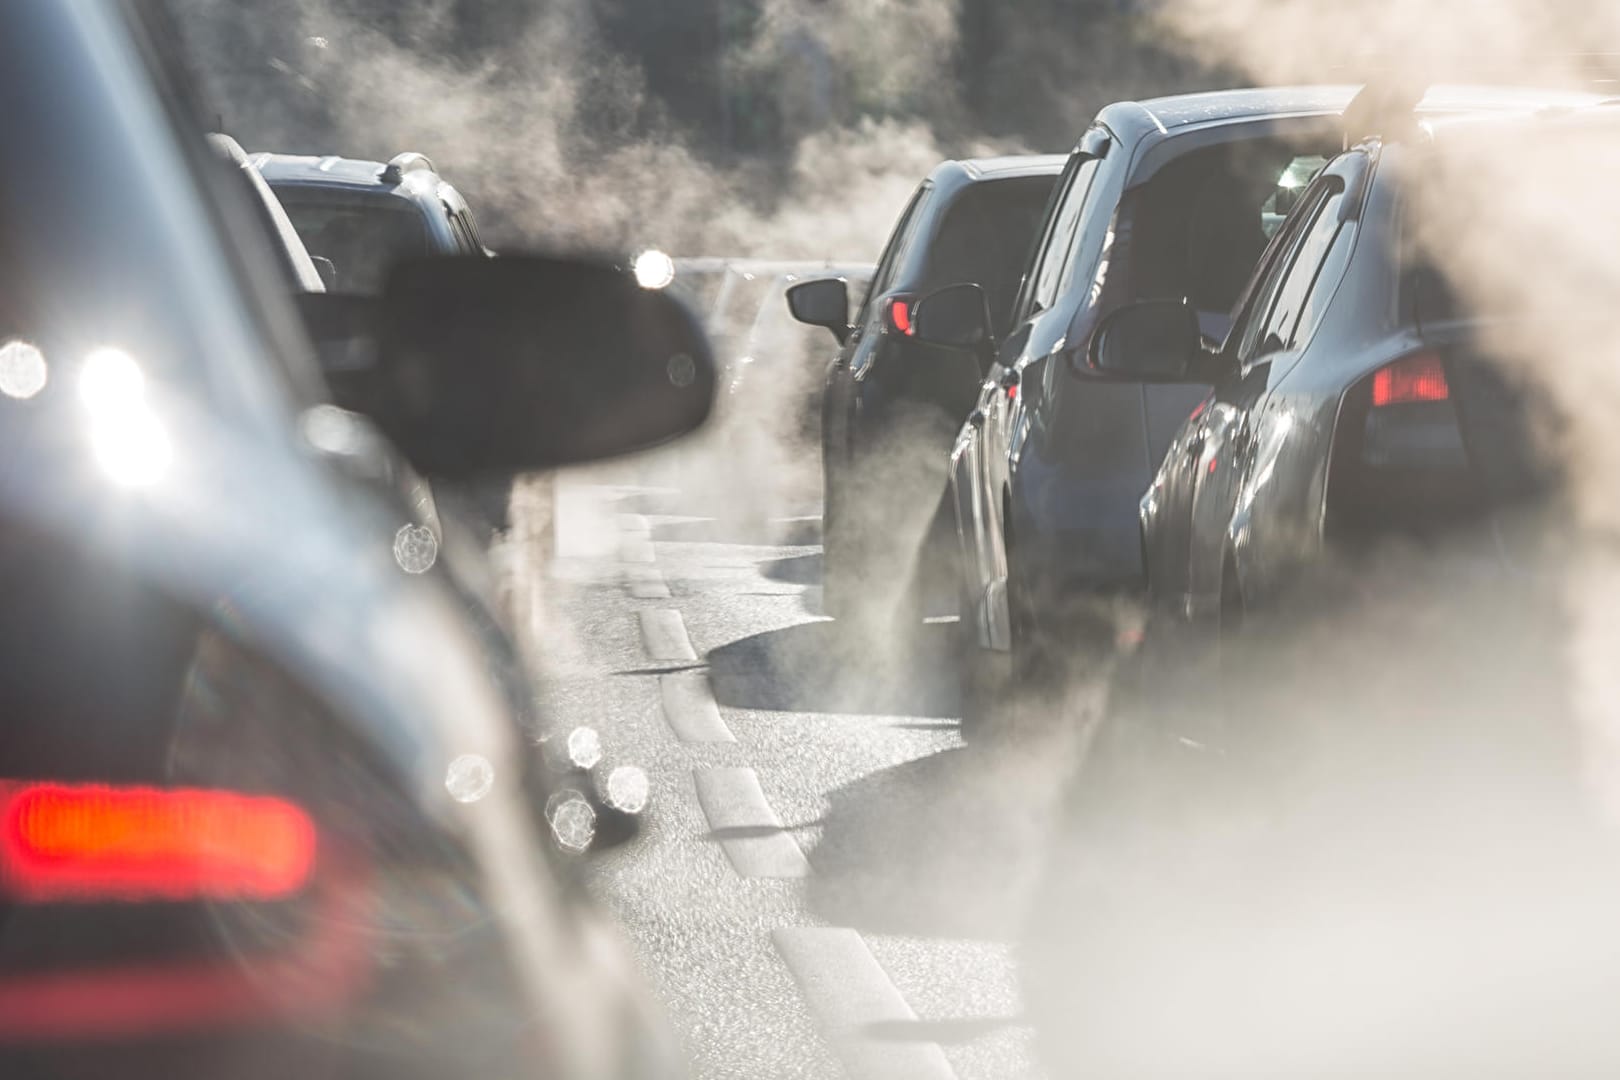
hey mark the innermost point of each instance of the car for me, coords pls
(306, 275)
(266, 809)
(360, 217)
(1355, 775)
(892, 403)
(1170, 197)
(1351, 401)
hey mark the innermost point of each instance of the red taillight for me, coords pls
(63, 842)
(898, 312)
(1012, 392)
(1417, 378)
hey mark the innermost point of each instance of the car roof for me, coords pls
(1215, 106)
(953, 175)
(353, 174)
(1164, 115)
(992, 168)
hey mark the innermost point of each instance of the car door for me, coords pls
(1038, 326)
(1224, 454)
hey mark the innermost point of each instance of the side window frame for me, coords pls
(1049, 271)
(899, 241)
(1326, 217)
(1255, 308)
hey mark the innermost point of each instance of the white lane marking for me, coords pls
(690, 710)
(645, 583)
(664, 635)
(748, 829)
(848, 991)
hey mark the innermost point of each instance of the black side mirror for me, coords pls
(957, 317)
(502, 365)
(324, 267)
(1153, 341)
(822, 302)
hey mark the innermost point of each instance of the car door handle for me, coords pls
(976, 418)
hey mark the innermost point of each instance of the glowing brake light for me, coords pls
(1411, 379)
(898, 312)
(61, 842)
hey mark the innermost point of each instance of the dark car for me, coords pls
(266, 805)
(366, 215)
(1349, 403)
(1350, 809)
(361, 217)
(1170, 198)
(892, 403)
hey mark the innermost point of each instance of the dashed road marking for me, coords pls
(750, 833)
(645, 583)
(690, 709)
(664, 635)
(848, 992)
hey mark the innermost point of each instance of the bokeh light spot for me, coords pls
(22, 370)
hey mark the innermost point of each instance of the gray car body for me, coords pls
(1240, 504)
(421, 190)
(1049, 479)
(261, 533)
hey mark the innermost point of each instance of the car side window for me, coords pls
(889, 264)
(1262, 294)
(1048, 274)
(1312, 250)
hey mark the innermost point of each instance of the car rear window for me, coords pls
(986, 238)
(363, 239)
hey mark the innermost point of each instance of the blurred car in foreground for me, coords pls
(1169, 198)
(892, 403)
(267, 809)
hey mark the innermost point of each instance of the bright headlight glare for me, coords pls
(654, 269)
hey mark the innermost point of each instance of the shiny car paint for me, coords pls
(1242, 503)
(204, 565)
(1055, 468)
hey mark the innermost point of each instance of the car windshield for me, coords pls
(362, 238)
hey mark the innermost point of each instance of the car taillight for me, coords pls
(897, 312)
(61, 842)
(1412, 379)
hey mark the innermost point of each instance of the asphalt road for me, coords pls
(831, 883)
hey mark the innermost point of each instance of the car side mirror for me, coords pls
(822, 302)
(1153, 341)
(956, 317)
(474, 366)
(324, 267)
